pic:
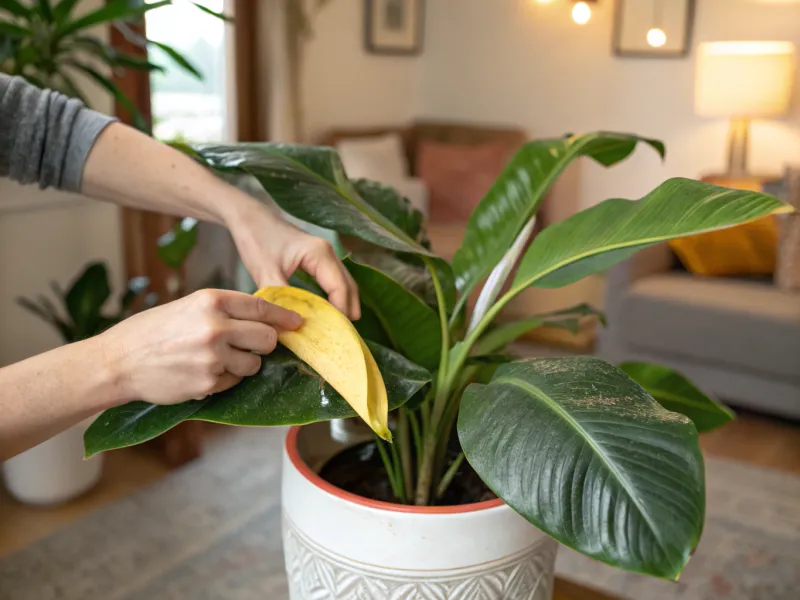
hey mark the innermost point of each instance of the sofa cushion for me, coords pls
(380, 158)
(458, 176)
(746, 324)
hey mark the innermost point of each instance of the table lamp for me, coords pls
(743, 81)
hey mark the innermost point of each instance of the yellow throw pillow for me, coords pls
(747, 249)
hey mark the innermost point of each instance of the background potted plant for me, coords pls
(49, 43)
(494, 460)
(55, 471)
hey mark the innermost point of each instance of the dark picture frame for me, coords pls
(623, 15)
(394, 27)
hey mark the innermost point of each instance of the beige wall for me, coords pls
(343, 85)
(520, 62)
(44, 236)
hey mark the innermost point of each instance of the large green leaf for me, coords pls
(285, 392)
(599, 237)
(388, 201)
(516, 195)
(502, 335)
(676, 393)
(583, 453)
(410, 323)
(85, 299)
(310, 184)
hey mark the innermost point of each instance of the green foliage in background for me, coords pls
(48, 42)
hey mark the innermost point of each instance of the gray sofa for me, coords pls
(737, 339)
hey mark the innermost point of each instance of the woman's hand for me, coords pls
(201, 344)
(272, 249)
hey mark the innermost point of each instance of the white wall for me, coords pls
(48, 236)
(345, 86)
(524, 63)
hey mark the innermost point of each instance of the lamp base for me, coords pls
(738, 142)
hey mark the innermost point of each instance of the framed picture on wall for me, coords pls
(394, 26)
(653, 28)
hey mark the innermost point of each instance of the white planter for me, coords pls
(339, 546)
(54, 471)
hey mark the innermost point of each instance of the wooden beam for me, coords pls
(248, 68)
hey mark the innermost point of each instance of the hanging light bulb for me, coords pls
(581, 13)
(656, 37)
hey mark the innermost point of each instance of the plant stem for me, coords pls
(442, 307)
(449, 475)
(431, 428)
(404, 444)
(398, 472)
(397, 490)
(415, 432)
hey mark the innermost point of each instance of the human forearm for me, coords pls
(132, 169)
(47, 393)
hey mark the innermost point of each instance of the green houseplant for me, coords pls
(81, 315)
(47, 42)
(55, 471)
(576, 446)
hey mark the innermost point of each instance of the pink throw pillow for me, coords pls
(458, 176)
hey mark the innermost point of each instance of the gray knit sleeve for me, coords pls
(45, 137)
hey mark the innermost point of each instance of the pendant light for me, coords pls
(582, 12)
(656, 36)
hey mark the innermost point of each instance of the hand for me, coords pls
(272, 249)
(201, 344)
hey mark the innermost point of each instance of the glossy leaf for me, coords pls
(310, 184)
(502, 335)
(599, 237)
(285, 392)
(583, 453)
(85, 299)
(388, 201)
(175, 246)
(412, 273)
(516, 195)
(676, 393)
(411, 324)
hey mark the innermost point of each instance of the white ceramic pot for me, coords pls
(339, 546)
(54, 471)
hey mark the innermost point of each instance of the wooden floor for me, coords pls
(752, 439)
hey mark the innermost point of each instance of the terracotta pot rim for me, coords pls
(316, 480)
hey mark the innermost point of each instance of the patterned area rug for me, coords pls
(212, 531)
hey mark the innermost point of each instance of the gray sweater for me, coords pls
(45, 137)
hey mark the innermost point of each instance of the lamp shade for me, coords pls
(744, 79)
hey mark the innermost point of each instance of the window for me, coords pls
(184, 107)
